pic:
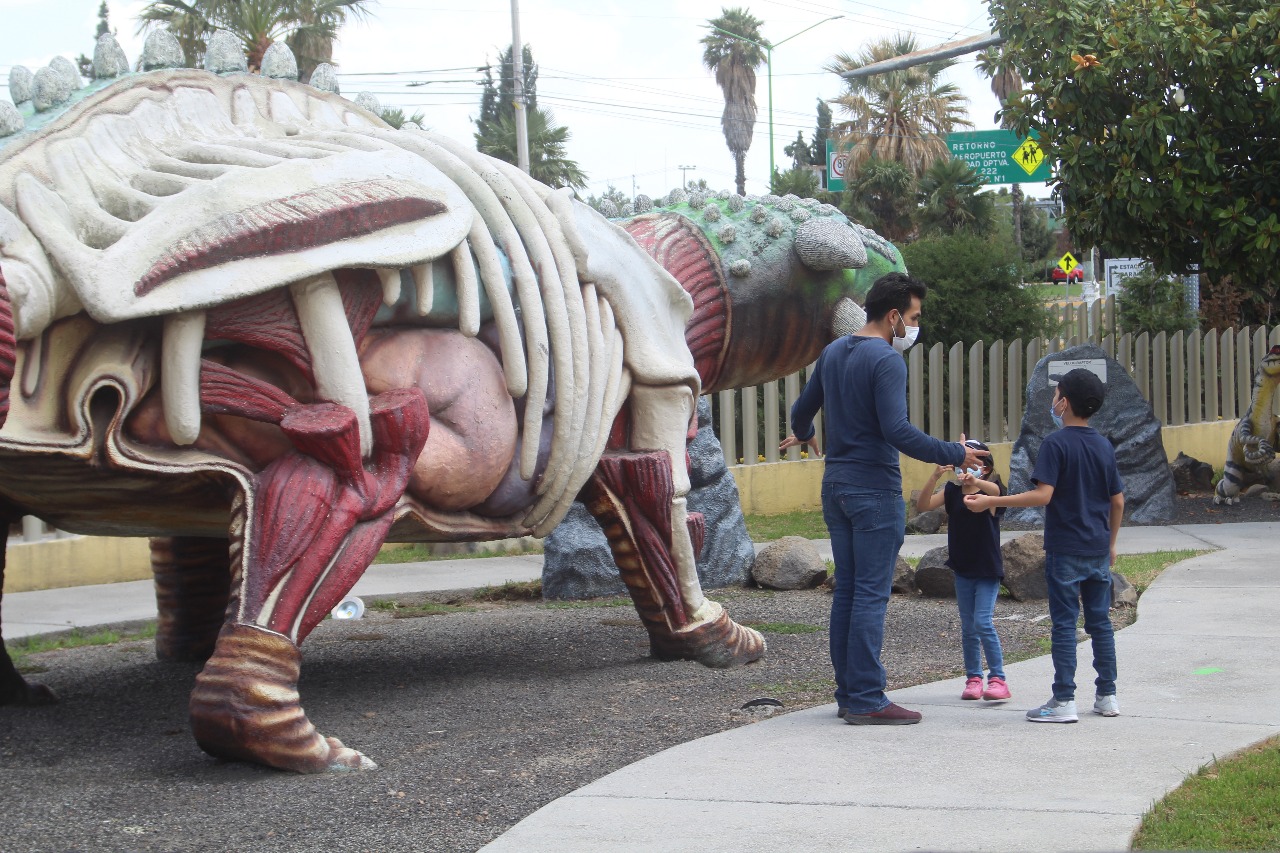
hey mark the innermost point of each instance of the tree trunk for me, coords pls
(1017, 217)
(740, 159)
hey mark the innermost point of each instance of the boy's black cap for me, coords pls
(1083, 390)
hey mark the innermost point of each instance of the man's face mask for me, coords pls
(909, 334)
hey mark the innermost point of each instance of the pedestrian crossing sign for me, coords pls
(1029, 155)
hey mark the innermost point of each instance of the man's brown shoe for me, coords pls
(890, 715)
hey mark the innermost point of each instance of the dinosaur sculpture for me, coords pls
(1252, 445)
(245, 317)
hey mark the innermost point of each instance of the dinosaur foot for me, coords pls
(715, 641)
(245, 707)
(17, 691)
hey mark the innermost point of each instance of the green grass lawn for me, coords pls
(806, 523)
(1233, 804)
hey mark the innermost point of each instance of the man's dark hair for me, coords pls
(892, 290)
(1083, 391)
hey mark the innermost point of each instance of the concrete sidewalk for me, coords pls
(50, 610)
(1198, 679)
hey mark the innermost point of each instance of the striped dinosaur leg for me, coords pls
(193, 583)
(14, 689)
(639, 499)
(308, 529)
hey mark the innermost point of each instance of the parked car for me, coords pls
(1057, 274)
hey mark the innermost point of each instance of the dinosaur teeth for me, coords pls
(390, 285)
(334, 360)
(180, 375)
(422, 280)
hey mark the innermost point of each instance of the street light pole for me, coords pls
(517, 77)
(768, 59)
(684, 178)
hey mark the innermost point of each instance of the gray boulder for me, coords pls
(161, 50)
(20, 79)
(789, 563)
(927, 522)
(904, 578)
(368, 101)
(1123, 593)
(225, 54)
(1125, 419)
(1190, 474)
(934, 577)
(1024, 568)
(577, 562)
(69, 72)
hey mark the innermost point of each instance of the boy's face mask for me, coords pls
(973, 472)
(1053, 412)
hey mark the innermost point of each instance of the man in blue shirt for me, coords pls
(860, 382)
(1076, 476)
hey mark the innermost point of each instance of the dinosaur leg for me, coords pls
(639, 500)
(1228, 489)
(313, 522)
(193, 577)
(14, 689)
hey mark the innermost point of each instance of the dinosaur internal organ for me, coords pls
(8, 348)
(312, 218)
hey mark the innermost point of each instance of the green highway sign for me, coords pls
(1000, 157)
(837, 166)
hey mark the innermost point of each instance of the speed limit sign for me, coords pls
(837, 166)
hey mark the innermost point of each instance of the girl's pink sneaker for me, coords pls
(972, 688)
(996, 689)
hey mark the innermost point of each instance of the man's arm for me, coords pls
(891, 409)
(1117, 516)
(806, 406)
(1039, 496)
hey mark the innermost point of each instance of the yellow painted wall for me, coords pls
(767, 489)
(790, 486)
(77, 561)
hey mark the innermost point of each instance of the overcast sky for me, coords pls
(625, 76)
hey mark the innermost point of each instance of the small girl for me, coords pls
(973, 546)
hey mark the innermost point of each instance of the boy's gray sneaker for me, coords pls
(1054, 711)
(1107, 706)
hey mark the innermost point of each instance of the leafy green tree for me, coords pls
(613, 195)
(1162, 116)
(395, 117)
(496, 126)
(734, 61)
(1153, 303)
(548, 155)
(799, 151)
(974, 292)
(952, 201)
(881, 196)
(1036, 239)
(303, 24)
(900, 115)
(818, 153)
(800, 181)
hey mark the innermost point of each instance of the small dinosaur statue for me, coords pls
(1253, 442)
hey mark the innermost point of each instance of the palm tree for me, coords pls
(309, 26)
(734, 61)
(952, 201)
(548, 160)
(904, 115)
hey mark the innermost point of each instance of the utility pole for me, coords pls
(684, 182)
(517, 75)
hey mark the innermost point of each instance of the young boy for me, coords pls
(1076, 478)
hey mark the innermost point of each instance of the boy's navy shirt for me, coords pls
(1080, 464)
(860, 383)
(973, 538)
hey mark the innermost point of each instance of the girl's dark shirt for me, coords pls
(973, 538)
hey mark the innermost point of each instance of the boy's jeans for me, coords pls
(976, 598)
(867, 527)
(1072, 581)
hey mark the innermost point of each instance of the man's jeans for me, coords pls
(976, 598)
(866, 527)
(1072, 581)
